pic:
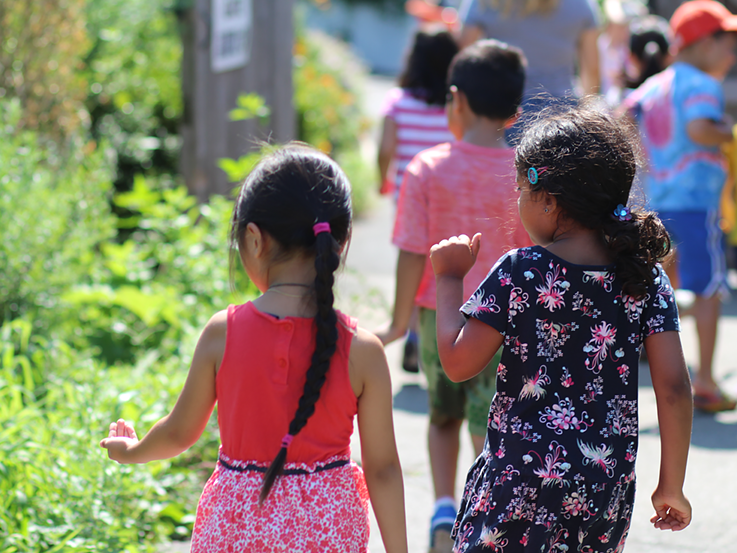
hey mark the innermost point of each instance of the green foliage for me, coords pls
(41, 46)
(120, 343)
(55, 212)
(250, 106)
(134, 96)
(96, 329)
(164, 281)
(363, 176)
(58, 490)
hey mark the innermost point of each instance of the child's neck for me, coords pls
(488, 133)
(693, 58)
(289, 288)
(580, 246)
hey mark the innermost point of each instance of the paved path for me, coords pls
(366, 289)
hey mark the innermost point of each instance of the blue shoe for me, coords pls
(441, 525)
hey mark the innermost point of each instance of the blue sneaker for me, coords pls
(441, 525)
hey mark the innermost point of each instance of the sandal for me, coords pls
(713, 402)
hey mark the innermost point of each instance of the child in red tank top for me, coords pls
(284, 479)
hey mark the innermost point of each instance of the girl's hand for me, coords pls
(672, 511)
(455, 256)
(121, 437)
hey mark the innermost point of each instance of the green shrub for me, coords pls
(58, 490)
(54, 211)
(133, 71)
(164, 281)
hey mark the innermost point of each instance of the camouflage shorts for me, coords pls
(455, 400)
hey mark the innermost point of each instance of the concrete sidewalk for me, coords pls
(366, 290)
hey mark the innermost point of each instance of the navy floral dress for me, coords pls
(557, 470)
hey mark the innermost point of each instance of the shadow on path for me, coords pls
(708, 432)
(411, 398)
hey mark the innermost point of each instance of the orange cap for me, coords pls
(697, 19)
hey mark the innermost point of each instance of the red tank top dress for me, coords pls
(320, 502)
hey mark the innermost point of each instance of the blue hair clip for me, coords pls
(533, 175)
(622, 213)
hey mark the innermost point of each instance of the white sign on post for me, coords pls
(232, 22)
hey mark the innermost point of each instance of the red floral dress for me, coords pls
(320, 502)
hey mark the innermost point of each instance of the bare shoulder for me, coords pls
(367, 360)
(212, 339)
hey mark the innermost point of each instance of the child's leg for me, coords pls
(443, 442)
(706, 312)
(702, 269)
(446, 400)
(411, 355)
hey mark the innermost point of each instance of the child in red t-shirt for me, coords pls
(463, 187)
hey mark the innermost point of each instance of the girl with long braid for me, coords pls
(289, 373)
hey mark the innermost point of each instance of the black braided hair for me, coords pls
(590, 162)
(285, 195)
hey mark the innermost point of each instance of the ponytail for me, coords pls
(589, 162)
(327, 260)
(649, 44)
(637, 245)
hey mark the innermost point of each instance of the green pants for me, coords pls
(455, 400)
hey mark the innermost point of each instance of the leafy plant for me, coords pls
(164, 281)
(58, 491)
(42, 44)
(55, 212)
(134, 92)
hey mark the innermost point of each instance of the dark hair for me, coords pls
(285, 195)
(491, 74)
(649, 44)
(427, 66)
(590, 164)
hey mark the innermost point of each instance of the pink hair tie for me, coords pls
(321, 227)
(286, 441)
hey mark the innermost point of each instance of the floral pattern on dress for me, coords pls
(565, 416)
(305, 513)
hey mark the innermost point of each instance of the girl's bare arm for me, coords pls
(372, 385)
(465, 346)
(672, 387)
(181, 428)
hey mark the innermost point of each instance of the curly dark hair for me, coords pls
(590, 161)
(427, 66)
(286, 194)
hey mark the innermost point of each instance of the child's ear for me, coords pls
(549, 202)
(460, 101)
(255, 240)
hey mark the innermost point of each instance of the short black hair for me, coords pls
(427, 66)
(491, 74)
